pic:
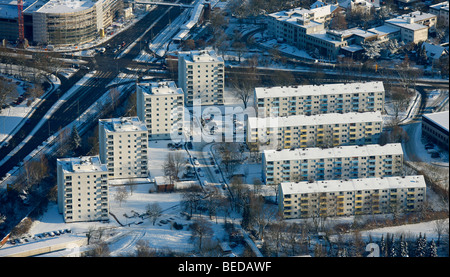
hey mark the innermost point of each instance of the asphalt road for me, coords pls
(107, 68)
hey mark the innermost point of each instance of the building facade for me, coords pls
(413, 26)
(323, 130)
(343, 162)
(123, 147)
(312, 99)
(441, 11)
(160, 105)
(352, 197)
(201, 76)
(82, 189)
(59, 22)
(435, 128)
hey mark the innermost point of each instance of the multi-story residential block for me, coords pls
(441, 11)
(352, 197)
(160, 105)
(123, 147)
(435, 128)
(413, 26)
(201, 76)
(312, 99)
(82, 189)
(323, 130)
(343, 162)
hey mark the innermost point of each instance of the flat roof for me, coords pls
(353, 184)
(198, 56)
(66, 6)
(161, 88)
(82, 164)
(440, 118)
(320, 119)
(326, 89)
(123, 124)
(335, 152)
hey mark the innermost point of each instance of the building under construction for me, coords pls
(57, 22)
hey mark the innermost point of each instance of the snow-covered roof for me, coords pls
(66, 6)
(320, 119)
(123, 124)
(336, 152)
(384, 30)
(326, 89)
(416, 181)
(82, 164)
(440, 118)
(161, 88)
(197, 56)
(434, 51)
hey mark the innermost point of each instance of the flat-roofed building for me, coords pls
(312, 99)
(343, 162)
(413, 26)
(123, 147)
(82, 189)
(160, 105)
(352, 197)
(201, 76)
(435, 128)
(441, 11)
(322, 130)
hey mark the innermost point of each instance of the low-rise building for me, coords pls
(160, 105)
(413, 26)
(123, 147)
(343, 162)
(441, 11)
(323, 130)
(435, 128)
(82, 189)
(320, 99)
(352, 197)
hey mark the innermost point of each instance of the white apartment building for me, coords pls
(413, 26)
(352, 197)
(441, 11)
(160, 105)
(123, 147)
(201, 77)
(312, 99)
(343, 162)
(82, 189)
(322, 130)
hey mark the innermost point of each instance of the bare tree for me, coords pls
(154, 211)
(201, 229)
(121, 195)
(173, 166)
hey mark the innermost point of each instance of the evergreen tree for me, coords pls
(75, 140)
(403, 247)
(421, 244)
(432, 250)
(382, 247)
(393, 249)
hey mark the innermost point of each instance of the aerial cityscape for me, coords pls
(224, 128)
